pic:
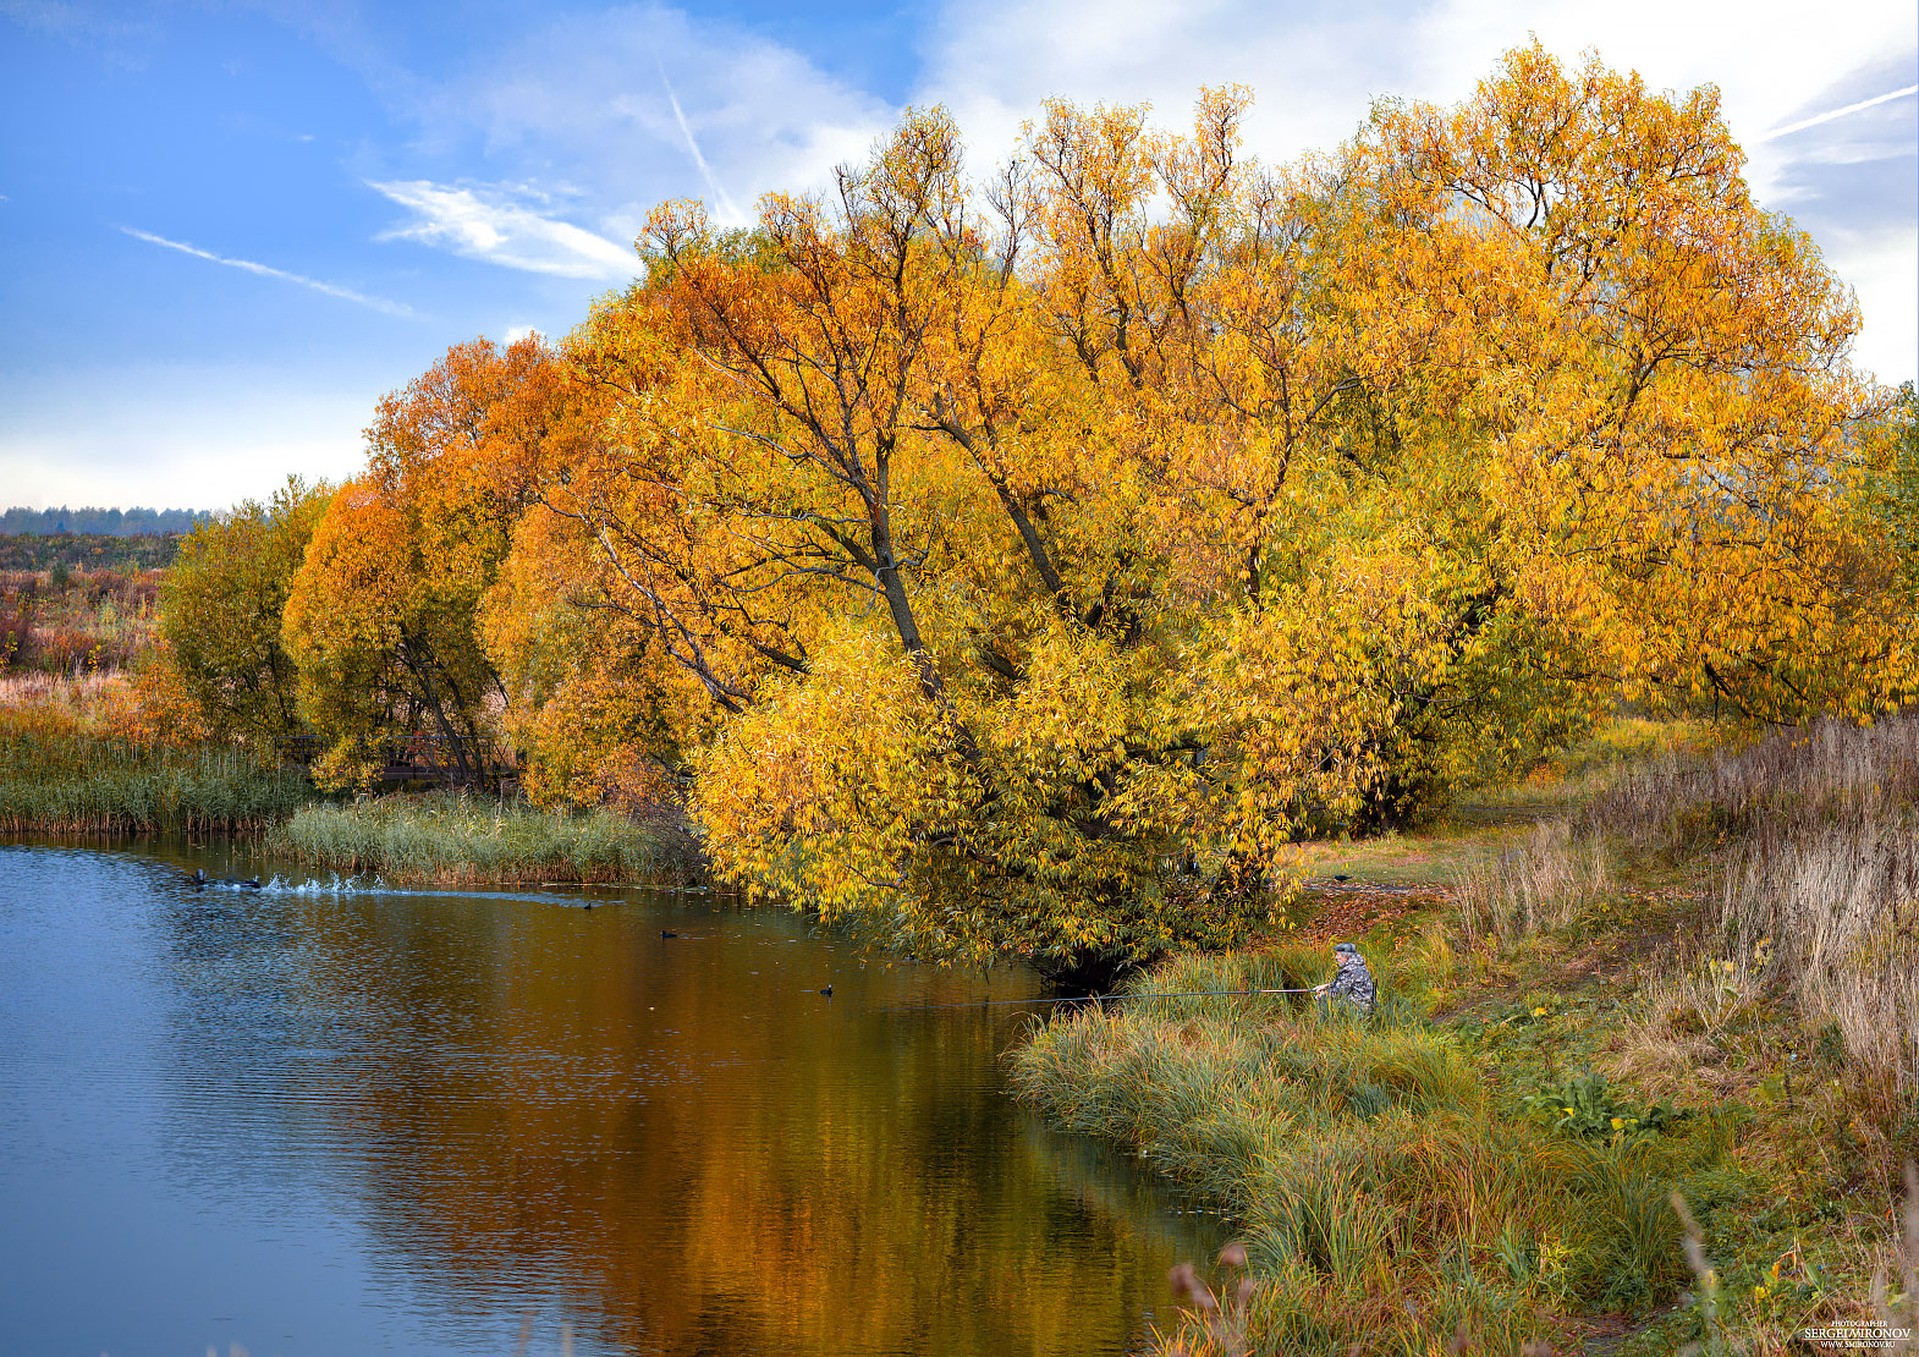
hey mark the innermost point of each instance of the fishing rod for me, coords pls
(1121, 994)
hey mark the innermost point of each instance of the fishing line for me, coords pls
(1103, 998)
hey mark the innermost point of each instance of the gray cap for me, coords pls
(1345, 947)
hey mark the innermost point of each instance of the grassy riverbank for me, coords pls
(76, 758)
(89, 756)
(1700, 981)
(447, 838)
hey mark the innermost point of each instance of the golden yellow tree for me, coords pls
(1020, 567)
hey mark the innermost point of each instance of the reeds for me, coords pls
(1814, 837)
(1829, 772)
(85, 785)
(1811, 840)
(1541, 883)
(453, 838)
(72, 762)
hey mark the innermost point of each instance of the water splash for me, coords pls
(337, 887)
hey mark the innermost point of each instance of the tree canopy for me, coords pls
(1019, 565)
(381, 617)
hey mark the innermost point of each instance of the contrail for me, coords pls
(1816, 119)
(267, 271)
(692, 145)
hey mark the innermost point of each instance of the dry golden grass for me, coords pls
(79, 696)
(1543, 882)
(1834, 913)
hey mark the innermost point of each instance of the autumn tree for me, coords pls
(1891, 456)
(221, 607)
(381, 621)
(1020, 567)
(1671, 460)
(857, 487)
(596, 712)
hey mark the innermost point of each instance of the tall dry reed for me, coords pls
(1541, 883)
(1814, 836)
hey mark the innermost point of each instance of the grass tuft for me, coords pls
(1388, 1197)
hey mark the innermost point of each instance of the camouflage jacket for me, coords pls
(1354, 983)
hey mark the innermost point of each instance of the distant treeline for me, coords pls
(134, 522)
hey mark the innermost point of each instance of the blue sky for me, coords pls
(226, 229)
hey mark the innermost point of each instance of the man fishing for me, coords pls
(1354, 983)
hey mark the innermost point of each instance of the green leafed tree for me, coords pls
(221, 608)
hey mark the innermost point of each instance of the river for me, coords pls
(314, 1123)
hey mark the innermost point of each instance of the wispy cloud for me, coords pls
(732, 211)
(485, 222)
(1849, 109)
(584, 98)
(268, 271)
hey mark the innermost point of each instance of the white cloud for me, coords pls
(485, 222)
(1883, 268)
(267, 271)
(1313, 71)
(641, 104)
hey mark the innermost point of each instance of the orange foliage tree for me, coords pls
(381, 618)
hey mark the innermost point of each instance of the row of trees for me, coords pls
(1020, 565)
(134, 522)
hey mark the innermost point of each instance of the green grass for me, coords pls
(69, 783)
(1475, 833)
(1703, 946)
(1431, 860)
(450, 838)
(1390, 1195)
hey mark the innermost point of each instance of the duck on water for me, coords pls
(199, 880)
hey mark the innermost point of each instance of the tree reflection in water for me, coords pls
(677, 1144)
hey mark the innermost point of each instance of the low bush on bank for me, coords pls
(453, 838)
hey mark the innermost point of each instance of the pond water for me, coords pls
(320, 1123)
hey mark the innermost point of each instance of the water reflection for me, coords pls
(409, 1123)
